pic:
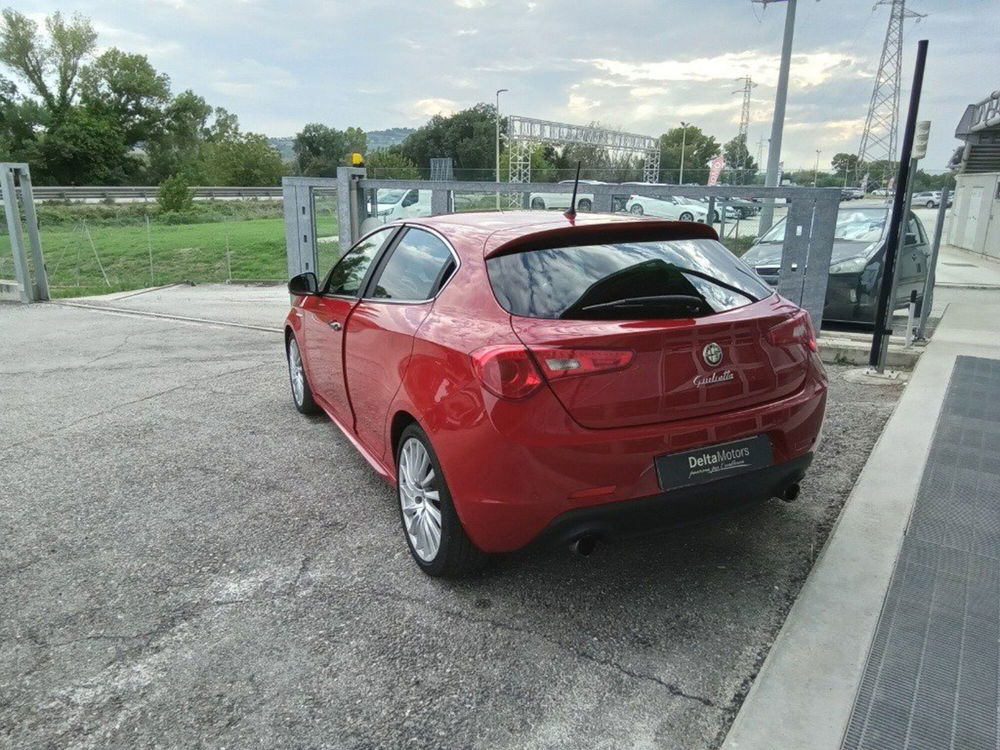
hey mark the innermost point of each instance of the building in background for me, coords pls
(975, 219)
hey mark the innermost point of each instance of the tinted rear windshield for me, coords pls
(624, 281)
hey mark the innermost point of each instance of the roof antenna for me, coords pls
(570, 212)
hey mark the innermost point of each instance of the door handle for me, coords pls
(334, 325)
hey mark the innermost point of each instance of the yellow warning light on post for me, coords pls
(357, 160)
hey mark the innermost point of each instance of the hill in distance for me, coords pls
(377, 141)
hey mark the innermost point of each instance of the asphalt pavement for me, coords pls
(187, 561)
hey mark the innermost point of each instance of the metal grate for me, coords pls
(931, 680)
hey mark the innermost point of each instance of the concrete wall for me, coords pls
(975, 215)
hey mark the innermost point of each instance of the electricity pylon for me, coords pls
(878, 140)
(744, 152)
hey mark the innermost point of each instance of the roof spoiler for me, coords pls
(642, 230)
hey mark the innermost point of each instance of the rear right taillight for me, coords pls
(506, 371)
(564, 363)
(796, 330)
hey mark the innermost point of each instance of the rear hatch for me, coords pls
(690, 330)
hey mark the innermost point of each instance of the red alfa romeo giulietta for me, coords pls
(530, 376)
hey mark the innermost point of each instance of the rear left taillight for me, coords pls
(796, 330)
(564, 363)
(506, 371)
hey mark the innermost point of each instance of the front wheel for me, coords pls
(930, 204)
(538, 204)
(301, 392)
(686, 216)
(433, 531)
(584, 204)
(636, 210)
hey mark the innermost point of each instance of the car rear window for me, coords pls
(624, 281)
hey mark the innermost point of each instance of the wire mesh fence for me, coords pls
(98, 248)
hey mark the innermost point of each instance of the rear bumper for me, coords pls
(675, 508)
(539, 466)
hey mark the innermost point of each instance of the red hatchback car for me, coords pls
(521, 376)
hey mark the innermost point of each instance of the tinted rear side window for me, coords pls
(625, 281)
(419, 264)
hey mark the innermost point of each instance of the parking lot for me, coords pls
(187, 561)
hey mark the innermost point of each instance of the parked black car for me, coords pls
(856, 263)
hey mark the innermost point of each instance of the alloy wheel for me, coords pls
(420, 499)
(295, 372)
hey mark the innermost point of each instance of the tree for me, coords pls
(468, 137)
(319, 149)
(845, 165)
(175, 144)
(129, 88)
(242, 159)
(735, 153)
(698, 150)
(391, 164)
(51, 69)
(174, 194)
(83, 148)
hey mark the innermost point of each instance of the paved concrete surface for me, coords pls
(960, 268)
(188, 561)
(805, 691)
(264, 306)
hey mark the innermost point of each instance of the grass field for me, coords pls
(101, 254)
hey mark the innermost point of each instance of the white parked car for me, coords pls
(584, 201)
(397, 204)
(666, 207)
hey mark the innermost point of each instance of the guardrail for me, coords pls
(146, 193)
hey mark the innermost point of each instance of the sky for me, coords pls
(637, 65)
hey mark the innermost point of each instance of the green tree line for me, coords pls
(81, 118)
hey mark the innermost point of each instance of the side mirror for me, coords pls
(411, 198)
(910, 239)
(304, 284)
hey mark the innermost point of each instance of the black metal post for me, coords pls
(897, 218)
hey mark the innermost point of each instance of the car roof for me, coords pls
(494, 232)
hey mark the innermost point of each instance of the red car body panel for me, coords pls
(513, 467)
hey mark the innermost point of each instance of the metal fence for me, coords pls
(146, 193)
(92, 248)
(811, 216)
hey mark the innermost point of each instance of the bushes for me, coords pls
(175, 195)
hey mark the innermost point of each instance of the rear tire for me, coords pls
(636, 210)
(302, 395)
(686, 216)
(538, 204)
(930, 204)
(584, 204)
(431, 527)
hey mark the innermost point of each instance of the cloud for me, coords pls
(431, 107)
(466, 32)
(808, 69)
(133, 41)
(581, 105)
(250, 77)
(470, 4)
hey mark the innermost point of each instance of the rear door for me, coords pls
(325, 316)
(696, 320)
(913, 261)
(380, 330)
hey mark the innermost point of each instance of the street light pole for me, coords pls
(816, 170)
(684, 132)
(778, 124)
(497, 173)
